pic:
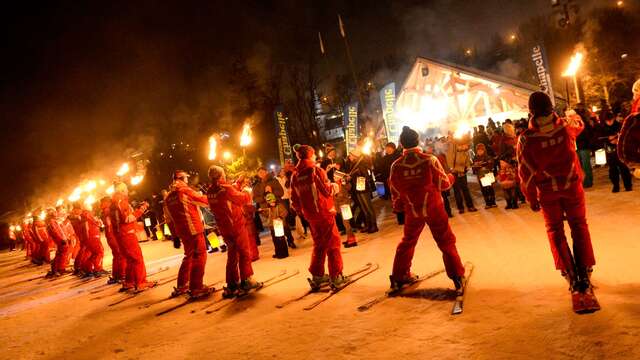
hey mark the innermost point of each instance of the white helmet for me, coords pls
(636, 89)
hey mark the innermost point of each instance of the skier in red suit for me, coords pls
(29, 244)
(78, 253)
(629, 138)
(43, 254)
(311, 196)
(124, 225)
(95, 251)
(185, 219)
(249, 211)
(551, 180)
(226, 204)
(61, 259)
(417, 181)
(118, 263)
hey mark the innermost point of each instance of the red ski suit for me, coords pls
(249, 211)
(94, 249)
(226, 205)
(416, 182)
(27, 234)
(78, 253)
(61, 260)
(311, 196)
(119, 263)
(551, 176)
(43, 241)
(185, 219)
(124, 225)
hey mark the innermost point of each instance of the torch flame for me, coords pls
(366, 147)
(110, 190)
(123, 169)
(42, 215)
(226, 155)
(463, 130)
(101, 182)
(12, 228)
(18, 228)
(88, 202)
(213, 144)
(75, 195)
(574, 65)
(59, 202)
(90, 186)
(136, 179)
(245, 138)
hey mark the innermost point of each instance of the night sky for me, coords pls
(83, 82)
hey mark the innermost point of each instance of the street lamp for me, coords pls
(571, 71)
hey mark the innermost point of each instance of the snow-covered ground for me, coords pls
(517, 305)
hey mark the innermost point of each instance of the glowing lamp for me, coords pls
(345, 210)
(147, 222)
(167, 232)
(278, 227)
(226, 155)
(361, 183)
(601, 157)
(487, 180)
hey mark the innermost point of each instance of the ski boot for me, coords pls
(249, 284)
(145, 286)
(126, 287)
(351, 241)
(100, 273)
(397, 285)
(112, 280)
(179, 291)
(87, 275)
(49, 274)
(338, 282)
(230, 291)
(458, 282)
(317, 282)
(201, 293)
(223, 248)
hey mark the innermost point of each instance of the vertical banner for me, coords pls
(544, 78)
(284, 147)
(350, 117)
(388, 103)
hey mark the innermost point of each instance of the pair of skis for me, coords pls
(458, 304)
(328, 293)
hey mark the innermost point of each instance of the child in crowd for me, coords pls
(342, 197)
(483, 165)
(277, 213)
(507, 179)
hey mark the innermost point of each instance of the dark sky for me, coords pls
(83, 82)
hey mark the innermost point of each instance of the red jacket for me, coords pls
(27, 232)
(226, 204)
(416, 180)
(91, 225)
(105, 216)
(311, 191)
(548, 162)
(40, 231)
(75, 218)
(123, 216)
(182, 207)
(55, 231)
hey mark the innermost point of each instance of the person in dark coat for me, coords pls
(391, 154)
(584, 144)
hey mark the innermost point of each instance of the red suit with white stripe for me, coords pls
(416, 181)
(93, 247)
(119, 263)
(78, 253)
(43, 241)
(311, 196)
(551, 176)
(226, 204)
(61, 259)
(124, 225)
(185, 221)
(27, 234)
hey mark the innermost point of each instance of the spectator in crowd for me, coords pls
(391, 154)
(584, 144)
(362, 186)
(483, 165)
(458, 161)
(507, 179)
(609, 130)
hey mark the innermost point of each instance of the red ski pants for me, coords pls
(195, 258)
(570, 204)
(61, 260)
(136, 274)
(43, 252)
(93, 255)
(75, 249)
(119, 264)
(326, 244)
(438, 222)
(238, 257)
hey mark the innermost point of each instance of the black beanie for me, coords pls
(540, 104)
(409, 138)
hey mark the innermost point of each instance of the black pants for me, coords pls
(489, 195)
(460, 191)
(387, 190)
(510, 197)
(364, 200)
(447, 205)
(280, 242)
(339, 221)
(616, 169)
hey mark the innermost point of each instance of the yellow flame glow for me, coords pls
(574, 65)
(123, 169)
(367, 146)
(89, 186)
(90, 200)
(75, 195)
(213, 144)
(245, 138)
(18, 228)
(136, 179)
(59, 202)
(12, 228)
(109, 190)
(226, 155)
(101, 182)
(463, 130)
(42, 215)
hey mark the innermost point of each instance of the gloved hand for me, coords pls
(176, 242)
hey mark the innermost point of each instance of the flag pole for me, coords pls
(350, 59)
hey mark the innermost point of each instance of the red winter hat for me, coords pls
(304, 152)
